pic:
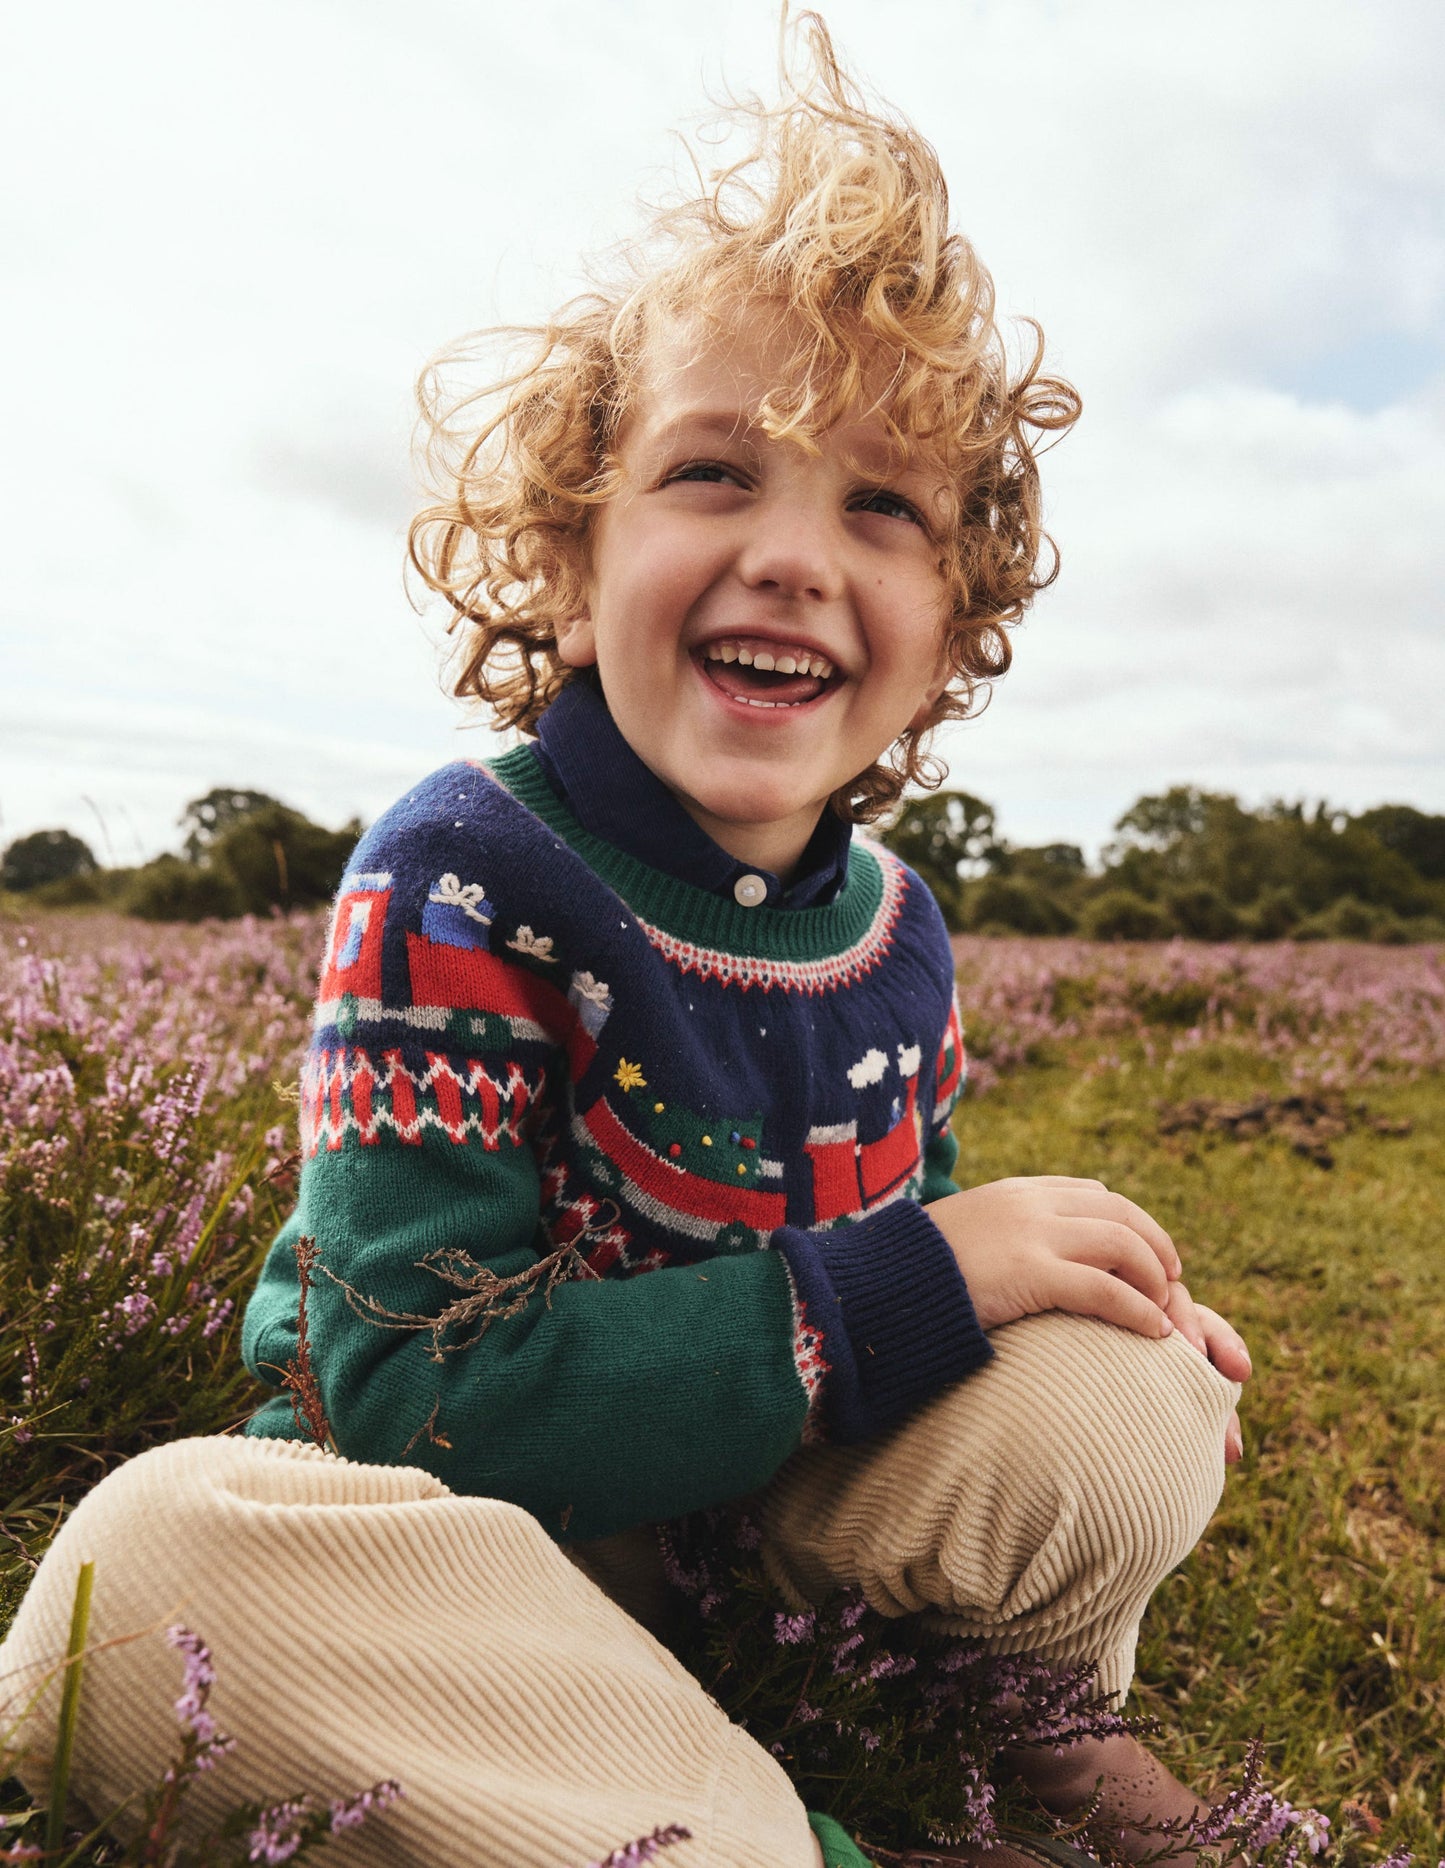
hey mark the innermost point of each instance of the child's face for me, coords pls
(725, 547)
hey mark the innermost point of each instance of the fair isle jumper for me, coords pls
(617, 1186)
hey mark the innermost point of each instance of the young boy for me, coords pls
(627, 1120)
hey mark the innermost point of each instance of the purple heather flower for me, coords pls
(645, 1848)
(352, 1812)
(891, 1666)
(278, 1832)
(190, 1708)
(789, 1630)
(841, 1661)
(137, 1309)
(1314, 1830)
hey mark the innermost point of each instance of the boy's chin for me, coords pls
(750, 808)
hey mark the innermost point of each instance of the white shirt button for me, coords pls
(748, 891)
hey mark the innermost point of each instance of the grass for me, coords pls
(1314, 1609)
(142, 1137)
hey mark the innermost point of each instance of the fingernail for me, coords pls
(1168, 1329)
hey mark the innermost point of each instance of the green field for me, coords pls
(1314, 1610)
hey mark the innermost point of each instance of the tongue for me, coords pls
(749, 684)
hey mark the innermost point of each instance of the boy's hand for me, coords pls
(1206, 1331)
(1047, 1242)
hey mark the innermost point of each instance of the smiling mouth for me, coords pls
(767, 674)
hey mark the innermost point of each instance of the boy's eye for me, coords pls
(891, 505)
(709, 472)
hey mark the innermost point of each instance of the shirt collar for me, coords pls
(614, 795)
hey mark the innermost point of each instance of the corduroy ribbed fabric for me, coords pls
(365, 1623)
(368, 1623)
(1035, 1507)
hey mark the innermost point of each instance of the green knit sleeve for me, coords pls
(597, 1404)
(940, 1154)
(839, 1848)
(940, 1158)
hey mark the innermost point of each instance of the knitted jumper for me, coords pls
(616, 1184)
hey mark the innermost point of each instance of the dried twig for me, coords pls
(299, 1377)
(488, 1300)
(429, 1428)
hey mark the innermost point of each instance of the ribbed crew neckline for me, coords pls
(695, 915)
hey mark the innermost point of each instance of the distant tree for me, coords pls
(44, 856)
(273, 857)
(945, 836)
(1053, 865)
(1120, 914)
(205, 819)
(169, 890)
(1274, 915)
(1185, 840)
(1164, 821)
(1016, 904)
(1416, 836)
(1202, 913)
(247, 853)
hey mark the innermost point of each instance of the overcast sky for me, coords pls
(232, 235)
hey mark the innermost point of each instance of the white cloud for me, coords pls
(240, 233)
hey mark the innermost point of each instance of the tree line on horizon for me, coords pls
(243, 852)
(1185, 862)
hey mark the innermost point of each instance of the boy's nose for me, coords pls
(792, 549)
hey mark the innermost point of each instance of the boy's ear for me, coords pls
(942, 675)
(577, 640)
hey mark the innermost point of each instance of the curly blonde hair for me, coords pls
(838, 214)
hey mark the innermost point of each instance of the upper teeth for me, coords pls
(781, 661)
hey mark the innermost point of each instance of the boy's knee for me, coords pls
(1080, 1466)
(1120, 1441)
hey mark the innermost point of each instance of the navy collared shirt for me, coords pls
(613, 794)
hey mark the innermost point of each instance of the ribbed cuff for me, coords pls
(896, 1316)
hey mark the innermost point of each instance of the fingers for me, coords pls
(1108, 1246)
(1183, 1313)
(1097, 1202)
(1090, 1293)
(1224, 1345)
(1055, 1180)
(1233, 1441)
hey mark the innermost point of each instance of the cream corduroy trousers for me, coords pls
(368, 1623)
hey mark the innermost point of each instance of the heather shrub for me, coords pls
(142, 1176)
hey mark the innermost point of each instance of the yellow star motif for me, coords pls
(630, 1075)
